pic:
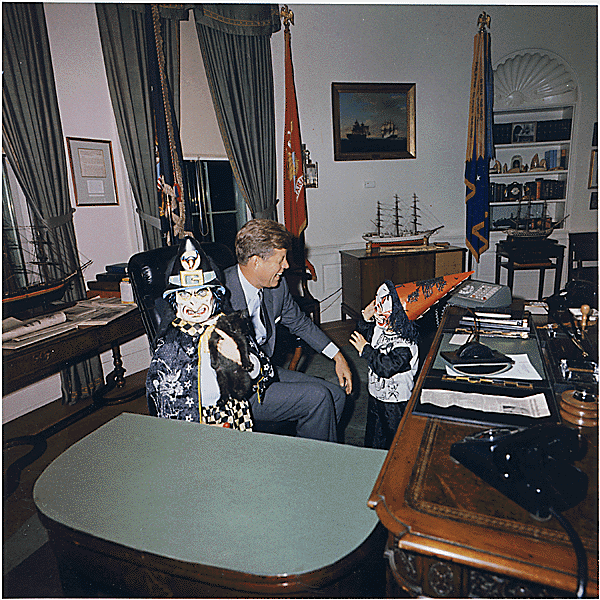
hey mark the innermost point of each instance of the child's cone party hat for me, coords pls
(418, 296)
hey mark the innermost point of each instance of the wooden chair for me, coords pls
(583, 257)
(297, 277)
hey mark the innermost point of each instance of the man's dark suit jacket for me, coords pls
(281, 309)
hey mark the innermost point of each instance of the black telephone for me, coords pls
(574, 295)
(533, 466)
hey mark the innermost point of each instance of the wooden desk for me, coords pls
(162, 508)
(33, 363)
(363, 273)
(453, 535)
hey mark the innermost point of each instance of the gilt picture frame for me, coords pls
(93, 172)
(374, 121)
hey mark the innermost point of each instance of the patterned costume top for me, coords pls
(393, 362)
(181, 366)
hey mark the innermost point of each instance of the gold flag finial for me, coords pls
(287, 15)
(483, 21)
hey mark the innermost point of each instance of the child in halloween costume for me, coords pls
(387, 338)
(206, 363)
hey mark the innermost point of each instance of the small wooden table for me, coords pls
(453, 535)
(517, 257)
(162, 508)
(35, 362)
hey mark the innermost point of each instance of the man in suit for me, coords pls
(315, 404)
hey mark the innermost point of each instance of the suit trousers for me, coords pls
(314, 404)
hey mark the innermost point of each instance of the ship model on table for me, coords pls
(525, 226)
(33, 269)
(391, 231)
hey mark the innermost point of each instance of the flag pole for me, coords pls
(479, 144)
(294, 197)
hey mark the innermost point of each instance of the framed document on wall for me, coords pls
(93, 171)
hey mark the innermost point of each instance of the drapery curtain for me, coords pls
(125, 36)
(236, 49)
(33, 140)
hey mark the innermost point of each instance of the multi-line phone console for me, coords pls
(481, 294)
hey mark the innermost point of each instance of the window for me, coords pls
(218, 209)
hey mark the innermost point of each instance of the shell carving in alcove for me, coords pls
(533, 79)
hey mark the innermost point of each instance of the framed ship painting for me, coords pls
(374, 121)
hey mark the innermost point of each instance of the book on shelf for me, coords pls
(117, 268)
(110, 276)
(112, 286)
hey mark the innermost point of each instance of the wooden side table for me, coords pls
(363, 272)
(529, 256)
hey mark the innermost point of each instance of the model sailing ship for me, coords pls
(400, 235)
(527, 227)
(33, 269)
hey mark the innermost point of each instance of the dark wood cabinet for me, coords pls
(363, 273)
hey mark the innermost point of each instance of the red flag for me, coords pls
(294, 200)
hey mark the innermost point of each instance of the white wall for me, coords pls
(429, 45)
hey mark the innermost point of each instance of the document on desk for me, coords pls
(534, 406)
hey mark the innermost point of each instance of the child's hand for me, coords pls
(227, 347)
(358, 341)
(369, 311)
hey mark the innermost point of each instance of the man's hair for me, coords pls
(259, 237)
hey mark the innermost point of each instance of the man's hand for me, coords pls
(343, 372)
(358, 341)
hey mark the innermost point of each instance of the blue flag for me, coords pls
(480, 148)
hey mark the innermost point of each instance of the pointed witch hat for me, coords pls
(419, 296)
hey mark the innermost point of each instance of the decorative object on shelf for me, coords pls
(515, 192)
(394, 229)
(93, 171)
(389, 108)
(533, 78)
(523, 133)
(311, 170)
(516, 163)
(497, 168)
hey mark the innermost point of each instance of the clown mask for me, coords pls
(383, 306)
(195, 305)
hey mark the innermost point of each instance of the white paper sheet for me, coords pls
(531, 406)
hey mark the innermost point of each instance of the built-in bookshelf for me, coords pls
(533, 149)
(535, 97)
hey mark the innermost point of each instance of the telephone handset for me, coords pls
(533, 467)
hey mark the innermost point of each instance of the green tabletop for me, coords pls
(250, 502)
